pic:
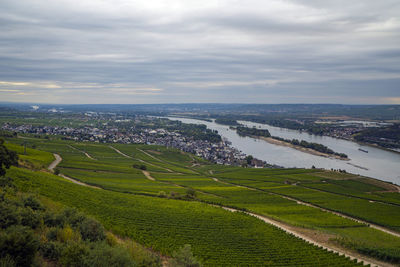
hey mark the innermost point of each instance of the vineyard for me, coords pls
(174, 207)
(218, 237)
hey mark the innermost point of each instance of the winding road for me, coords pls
(57, 161)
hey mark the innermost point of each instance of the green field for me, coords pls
(159, 214)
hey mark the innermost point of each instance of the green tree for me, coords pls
(249, 158)
(8, 158)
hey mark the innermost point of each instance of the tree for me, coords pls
(249, 159)
(8, 158)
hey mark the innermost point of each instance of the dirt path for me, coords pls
(380, 228)
(84, 152)
(119, 152)
(57, 161)
(148, 176)
(54, 164)
(148, 154)
(78, 182)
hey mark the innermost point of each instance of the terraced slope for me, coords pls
(268, 192)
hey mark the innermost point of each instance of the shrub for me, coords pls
(6, 181)
(174, 195)
(7, 261)
(30, 218)
(71, 217)
(184, 258)
(74, 255)
(50, 219)
(8, 216)
(52, 234)
(67, 234)
(143, 167)
(33, 203)
(162, 194)
(20, 244)
(51, 250)
(190, 193)
(91, 230)
(111, 239)
(103, 255)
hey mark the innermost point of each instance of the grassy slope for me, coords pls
(117, 174)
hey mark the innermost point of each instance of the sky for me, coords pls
(212, 51)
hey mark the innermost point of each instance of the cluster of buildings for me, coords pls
(343, 132)
(218, 152)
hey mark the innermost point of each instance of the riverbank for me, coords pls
(300, 148)
(375, 146)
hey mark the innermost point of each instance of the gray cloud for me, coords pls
(200, 51)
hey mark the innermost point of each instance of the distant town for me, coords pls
(216, 150)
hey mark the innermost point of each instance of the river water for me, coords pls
(377, 163)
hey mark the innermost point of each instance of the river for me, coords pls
(377, 163)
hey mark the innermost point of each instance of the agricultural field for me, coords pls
(218, 237)
(176, 191)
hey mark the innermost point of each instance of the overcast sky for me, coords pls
(181, 51)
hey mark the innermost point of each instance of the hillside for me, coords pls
(164, 198)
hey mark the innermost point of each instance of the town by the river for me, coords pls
(364, 160)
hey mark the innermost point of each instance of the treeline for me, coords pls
(283, 121)
(226, 121)
(388, 137)
(198, 132)
(313, 146)
(246, 131)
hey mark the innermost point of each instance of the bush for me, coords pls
(111, 239)
(191, 193)
(103, 255)
(71, 217)
(184, 258)
(141, 167)
(162, 194)
(33, 203)
(19, 243)
(7, 261)
(74, 255)
(8, 216)
(92, 230)
(50, 219)
(67, 234)
(6, 181)
(52, 234)
(30, 218)
(174, 195)
(51, 250)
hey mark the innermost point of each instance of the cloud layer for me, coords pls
(297, 51)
